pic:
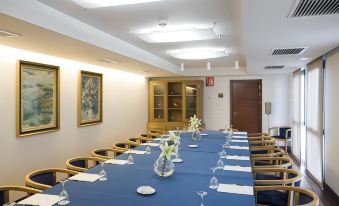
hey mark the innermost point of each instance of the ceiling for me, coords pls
(250, 29)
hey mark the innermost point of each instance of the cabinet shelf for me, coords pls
(175, 108)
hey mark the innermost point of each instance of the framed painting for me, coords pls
(38, 98)
(90, 99)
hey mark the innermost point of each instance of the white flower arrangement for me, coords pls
(167, 150)
(194, 123)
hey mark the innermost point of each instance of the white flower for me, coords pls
(167, 150)
(194, 123)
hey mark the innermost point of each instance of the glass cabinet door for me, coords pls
(175, 102)
(158, 96)
(192, 100)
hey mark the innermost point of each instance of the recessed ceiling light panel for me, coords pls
(7, 34)
(177, 33)
(91, 4)
(200, 53)
(107, 61)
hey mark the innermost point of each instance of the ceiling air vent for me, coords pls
(304, 8)
(274, 67)
(6, 34)
(288, 51)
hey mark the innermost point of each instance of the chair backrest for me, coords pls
(285, 131)
(271, 162)
(46, 178)
(262, 142)
(258, 134)
(81, 164)
(276, 176)
(296, 196)
(134, 140)
(106, 153)
(267, 151)
(124, 145)
(5, 191)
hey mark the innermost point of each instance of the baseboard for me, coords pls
(331, 192)
(295, 160)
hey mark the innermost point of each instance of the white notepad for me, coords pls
(239, 147)
(203, 134)
(238, 140)
(151, 144)
(236, 157)
(41, 200)
(237, 168)
(240, 133)
(235, 189)
(239, 137)
(85, 177)
(116, 162)
(135, 152)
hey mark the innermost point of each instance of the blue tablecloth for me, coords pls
(180, 189)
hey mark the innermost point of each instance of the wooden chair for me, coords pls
(134, 140)
(282, 134)
(258, 134)
(81, 164)
(145, 138)
(6, 190)
(106, 153)
(266, 152)
(264, 141)
(46, 178)
(285, 195)
(276, 176)
(124, 146)
(271, 162)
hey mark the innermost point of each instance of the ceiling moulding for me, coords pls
(41, 15)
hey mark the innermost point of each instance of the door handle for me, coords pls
(235, 114)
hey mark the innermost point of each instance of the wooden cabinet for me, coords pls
(172, 103)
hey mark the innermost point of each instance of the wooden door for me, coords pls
(246, 98)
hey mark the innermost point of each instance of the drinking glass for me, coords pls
(148, 150)
(177, 155)
(130, 158)
(202, 194)
(214, 181)
(102, 173)
(63, 195)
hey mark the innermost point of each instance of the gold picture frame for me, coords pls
(38, 98)
(90, 99)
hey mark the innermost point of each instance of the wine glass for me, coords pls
(202, 194)
(214, 181)
(130, 158)
(227, 144)
(177, 155)
(63, 195)
(222, 154)
(148, 150)
(102, 173)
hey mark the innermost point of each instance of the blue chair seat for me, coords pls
(266, 177)
(2, 198)
(278, 198)
(280, 137)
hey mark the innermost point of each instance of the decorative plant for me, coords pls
(166, 152)
(194, 123)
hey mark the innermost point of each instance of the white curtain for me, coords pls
(314, 120)
(296, 121)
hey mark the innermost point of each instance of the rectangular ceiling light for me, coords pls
(199, 53)
(7, 34)
(91, 4)
(177, 34)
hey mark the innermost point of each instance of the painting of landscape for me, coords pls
(91, 98)
(38, 98)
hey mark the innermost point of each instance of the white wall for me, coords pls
(276, 89)
(331, 121)
(125, 115)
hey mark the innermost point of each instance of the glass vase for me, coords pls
(196, 136)
(164, 167)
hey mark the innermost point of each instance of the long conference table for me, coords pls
(180, 189)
